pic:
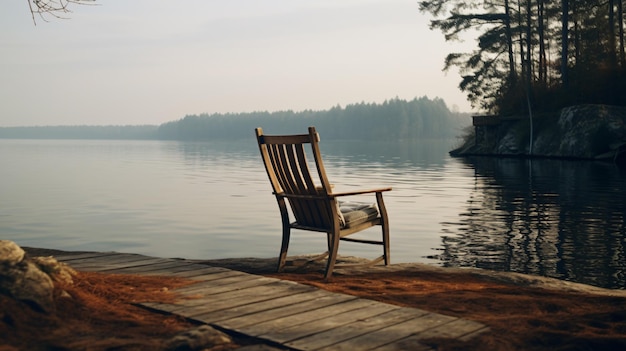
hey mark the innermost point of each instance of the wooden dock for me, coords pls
(296, 316)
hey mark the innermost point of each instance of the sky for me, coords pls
(149, 62)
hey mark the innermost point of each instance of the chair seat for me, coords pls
(354, 213)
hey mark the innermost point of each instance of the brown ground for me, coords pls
(521, 316)
(100, 315)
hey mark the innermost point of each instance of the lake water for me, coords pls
(202, 200)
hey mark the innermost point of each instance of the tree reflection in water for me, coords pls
(556, 218)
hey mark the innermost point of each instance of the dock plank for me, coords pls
(110, 257)
(239, 311)
(309, 325)
(213, 276)
(109, 266)
(360, 327)
(389, 334)
(199, 273)
(236, 298)
(69, 257)
(208, 296)
(305, 317)
(456, 329)
(105, 259)
(145, 268)
(453, 330)
(206, 288)
(228, 299)
(324, 299)
(166, 269)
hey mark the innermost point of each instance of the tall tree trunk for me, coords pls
(521, 38)
(529, 65)
(542, 44)
(528, 61)
(509, 43)
(564, 42)
(620, 23)
(612, 36)
(576, 35)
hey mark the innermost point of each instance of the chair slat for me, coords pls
(297, 169)
(286, 139)
(279, 167)
(290, 185)
(310, 185)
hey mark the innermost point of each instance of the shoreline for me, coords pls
(266, 266)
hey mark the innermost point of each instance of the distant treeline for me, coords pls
(80, 132)
(392, 120)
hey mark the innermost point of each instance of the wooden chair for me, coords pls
(315, 206)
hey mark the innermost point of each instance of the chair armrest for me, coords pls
(359, 192)
(326, 196)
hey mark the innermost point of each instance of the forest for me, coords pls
(536, 55)
(80, 132)
(393, 119)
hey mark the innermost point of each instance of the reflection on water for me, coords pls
(213, 200)
(563, 219)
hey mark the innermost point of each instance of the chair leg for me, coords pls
(385, 227)
(329, 242)
(386, 244)
(332, 255)
(282, 258)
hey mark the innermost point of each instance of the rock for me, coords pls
(197, 339)
(23, 279)
(34, 286)
(589, 130)
(58, 271)
(581, 131)
(10, 253)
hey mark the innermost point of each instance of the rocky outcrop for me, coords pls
(30, 279)
(584, 132)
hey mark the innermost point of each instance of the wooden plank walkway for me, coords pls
(296, 316)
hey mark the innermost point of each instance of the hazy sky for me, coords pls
(149, 62)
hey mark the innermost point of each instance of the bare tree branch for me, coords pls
(54, 8)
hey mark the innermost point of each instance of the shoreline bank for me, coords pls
(267, 266)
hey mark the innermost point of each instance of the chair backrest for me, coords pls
(284, 157)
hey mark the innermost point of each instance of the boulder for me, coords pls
(24, 279)
(10, 253)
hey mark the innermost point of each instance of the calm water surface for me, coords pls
(560, 219)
